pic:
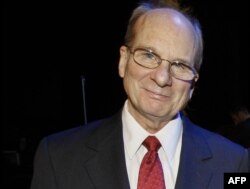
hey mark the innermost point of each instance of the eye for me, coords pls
(146, 58)
(179, 67)
(148, 55)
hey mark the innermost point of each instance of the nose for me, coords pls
(161, 75)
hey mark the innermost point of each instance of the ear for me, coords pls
(191, 93)
(123, 61)
(194, 81)
(193, 86)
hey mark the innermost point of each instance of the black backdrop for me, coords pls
(49, 45)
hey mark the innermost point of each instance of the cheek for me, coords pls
(182, 93)
(132, 78)
(134, 73)
(129, 79)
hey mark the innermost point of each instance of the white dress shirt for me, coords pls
(170, 137)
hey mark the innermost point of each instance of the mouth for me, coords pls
(156, 95)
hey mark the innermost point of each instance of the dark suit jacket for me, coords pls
(92, 157)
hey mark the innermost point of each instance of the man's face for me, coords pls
(153, 93)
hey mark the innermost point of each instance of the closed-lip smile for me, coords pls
(156, 95)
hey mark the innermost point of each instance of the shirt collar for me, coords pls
(134, 134)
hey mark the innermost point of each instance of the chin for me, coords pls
(157, 112)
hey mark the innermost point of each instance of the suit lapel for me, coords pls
(106, 166)
(194, 171)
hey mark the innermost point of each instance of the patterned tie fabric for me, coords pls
(151, 174)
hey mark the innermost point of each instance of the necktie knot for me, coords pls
(152, 143)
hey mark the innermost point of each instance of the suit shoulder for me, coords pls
(219, 142)
(73, 136)
(81, 134)
(216, 141)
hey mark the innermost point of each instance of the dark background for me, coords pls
(48, 45)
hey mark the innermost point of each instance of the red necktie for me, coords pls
(151, 174)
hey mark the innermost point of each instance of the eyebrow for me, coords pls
(151, 49)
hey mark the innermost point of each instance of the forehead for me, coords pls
(164, 28)
(167, 19)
